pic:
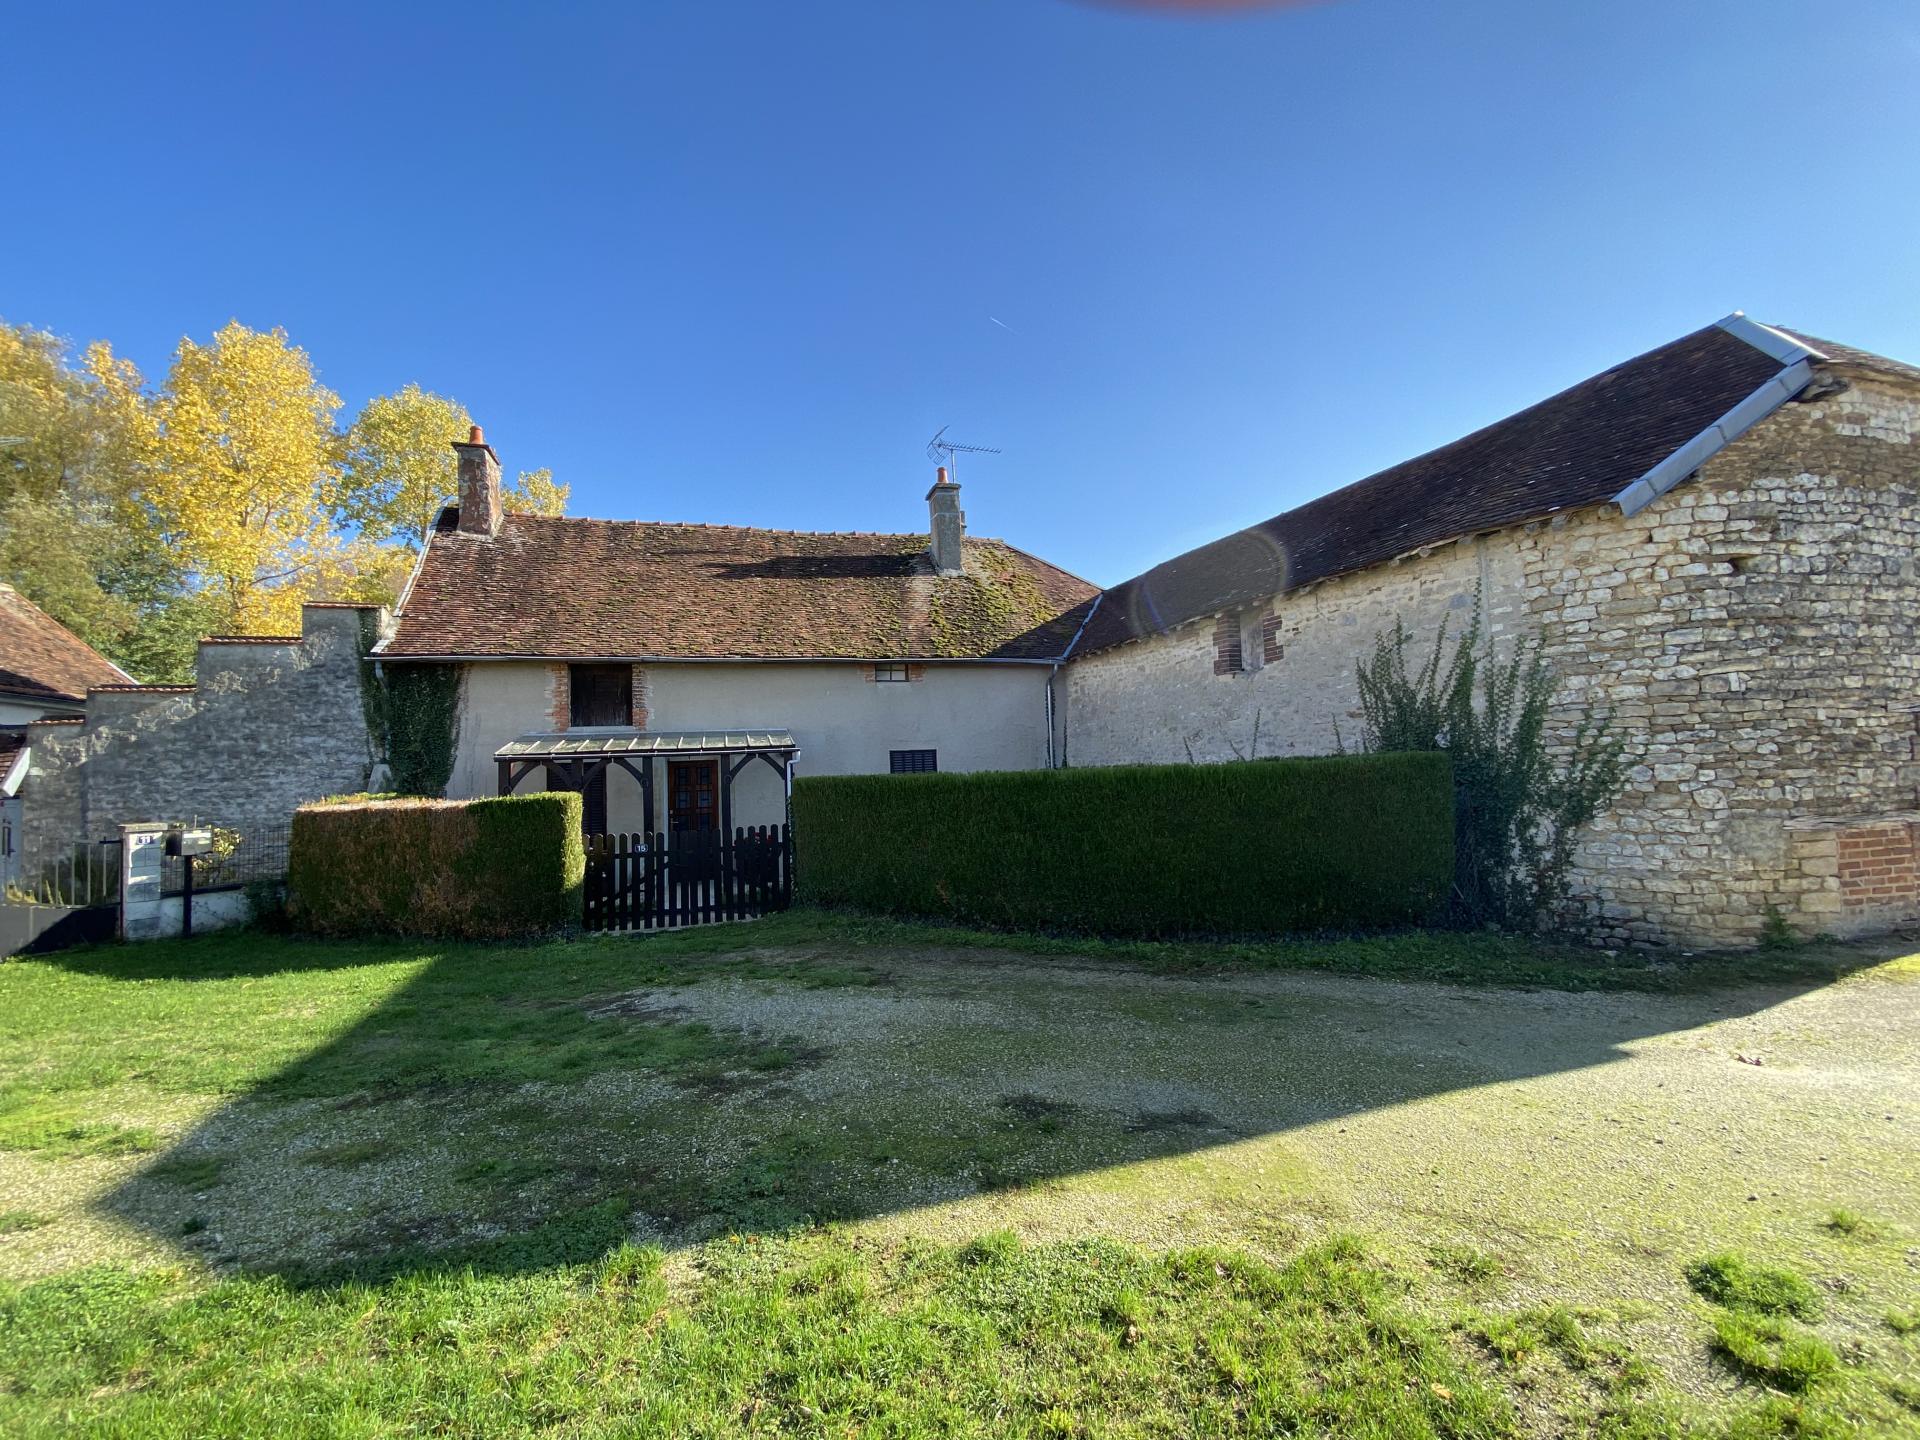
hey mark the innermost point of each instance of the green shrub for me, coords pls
(1523, 796)
(1336, 842)
(460, 869)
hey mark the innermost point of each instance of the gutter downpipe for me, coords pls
(1058, 761)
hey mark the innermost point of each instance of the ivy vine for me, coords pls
(422, 721)
(373, 693)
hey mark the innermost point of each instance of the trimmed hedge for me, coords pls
(1258, 847)
(455, 869)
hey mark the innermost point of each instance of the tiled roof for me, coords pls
(42, 659)
(569, 588)
(1578, 448)
(1848, 355)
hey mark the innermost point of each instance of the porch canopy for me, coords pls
(574, 759)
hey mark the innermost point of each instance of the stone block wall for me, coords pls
(1752, 633)
(269, 724)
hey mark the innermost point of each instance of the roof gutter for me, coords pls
(1799, 361)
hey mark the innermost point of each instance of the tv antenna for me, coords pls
(948, 451)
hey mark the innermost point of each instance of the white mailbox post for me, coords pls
(142, 847)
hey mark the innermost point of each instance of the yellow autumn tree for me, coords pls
(535, 493)
(239, 465)
(400, 463)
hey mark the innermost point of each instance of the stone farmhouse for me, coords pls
(1713, 541)
(651, 665)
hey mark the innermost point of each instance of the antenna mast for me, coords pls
(948, 452)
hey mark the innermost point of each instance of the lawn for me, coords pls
(824, 1177)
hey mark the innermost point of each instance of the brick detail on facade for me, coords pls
(1270, 647)
(559, 697)
(1856, 877)
(1228, 658)
(640, 697)
(1876, 865)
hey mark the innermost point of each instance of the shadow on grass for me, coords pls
(507, 1109)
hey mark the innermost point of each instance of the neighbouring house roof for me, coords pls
(40, 659)
(1586, 445)
(612, 589)
(13, 750)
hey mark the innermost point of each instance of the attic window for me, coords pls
(894, 671)
(600, 695)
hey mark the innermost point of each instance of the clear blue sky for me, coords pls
(737, 262)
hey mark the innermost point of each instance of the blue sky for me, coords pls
(738, 262)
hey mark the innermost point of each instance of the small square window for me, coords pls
(892, 670)
(912, 762)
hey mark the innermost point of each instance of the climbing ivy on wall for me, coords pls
(422, 723)
(373, 690)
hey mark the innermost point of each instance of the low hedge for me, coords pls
(457, 869)
(1258, 847)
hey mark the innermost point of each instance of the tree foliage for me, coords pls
(535, 493)
(1522, 796)
(401, 465)
(143, 518)
(238, 456)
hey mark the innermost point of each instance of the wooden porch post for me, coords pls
(506, 777)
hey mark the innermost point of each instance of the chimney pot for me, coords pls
(475, 436)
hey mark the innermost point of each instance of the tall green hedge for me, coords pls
(459, 869)
(1259, 847)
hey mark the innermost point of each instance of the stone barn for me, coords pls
(1716, 543)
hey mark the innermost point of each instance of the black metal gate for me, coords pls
(695, 877)
(72, 897)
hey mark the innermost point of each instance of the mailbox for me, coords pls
(189, 842)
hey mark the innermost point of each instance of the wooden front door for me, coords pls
(593, 805)
(693, 795)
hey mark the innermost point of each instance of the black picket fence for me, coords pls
(694, 877)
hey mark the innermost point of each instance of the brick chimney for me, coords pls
(479, 485)
(947, 523)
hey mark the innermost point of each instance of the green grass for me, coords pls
(1734, 1281)
(1855, 1226)
(814, 1336)
(1449, 956)
(545, 1104)
(1774, 1351)
(1465, 1263)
